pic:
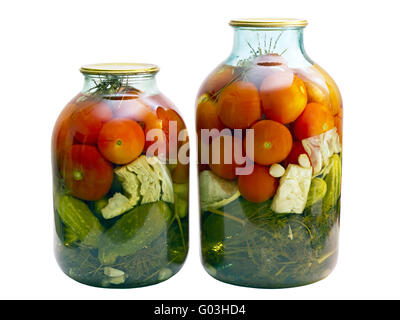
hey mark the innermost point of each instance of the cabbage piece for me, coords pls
(291, 195)
(150, 187)
(145, 180)
(164, 176)
(216, 192)
(117, 205)
(130, 184)
(320, 148)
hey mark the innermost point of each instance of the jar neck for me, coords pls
(144, 82)
(257, 41)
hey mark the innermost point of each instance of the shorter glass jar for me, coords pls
(120, 188)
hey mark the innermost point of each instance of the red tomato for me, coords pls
(88, 119)
(121, 141)
(293, 157)
(86, 173)
(258, 186)
(62, 137)
(315, 119)
(227, 164)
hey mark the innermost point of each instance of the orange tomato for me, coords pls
(315, 119)
(158, 121)
(286, 104)
(88, 119)
(258, 186)
(316, 94)
(339, 126)
(272, 142)
(138, 108)
(86, 173)
(340, 113)
(334, 93)
(121, 141)
(217, 80)
(135, 107)
(168, 116)
(227, 164)
(239, 105)
(207, 116)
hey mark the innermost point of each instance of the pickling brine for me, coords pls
(121, 180)
(269, 127)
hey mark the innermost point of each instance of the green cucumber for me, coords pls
(70, 237)
(97, 206)
(134, 231)
(76, 216)
(317, 191)
(333, 181)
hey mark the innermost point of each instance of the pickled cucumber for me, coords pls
(70, 236)
(317, 191)
(181, 194)
(76, 216)
(135, 230)
(99, 205)
(332, 179)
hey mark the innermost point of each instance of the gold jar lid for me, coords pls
(268, 22)
(119, 68)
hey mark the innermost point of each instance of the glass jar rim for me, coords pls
(124, 68)
(268, 22)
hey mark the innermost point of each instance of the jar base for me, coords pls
(270, 285)
(115, 277)
(109, 285)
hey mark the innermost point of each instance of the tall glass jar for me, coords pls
(120, 173)
(269, 126)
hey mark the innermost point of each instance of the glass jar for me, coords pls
(121, 180)
(269, 127)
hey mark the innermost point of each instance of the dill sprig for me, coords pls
(244, 65)
(108, 85)
(262, 49)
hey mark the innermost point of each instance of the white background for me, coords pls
(43, 44)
